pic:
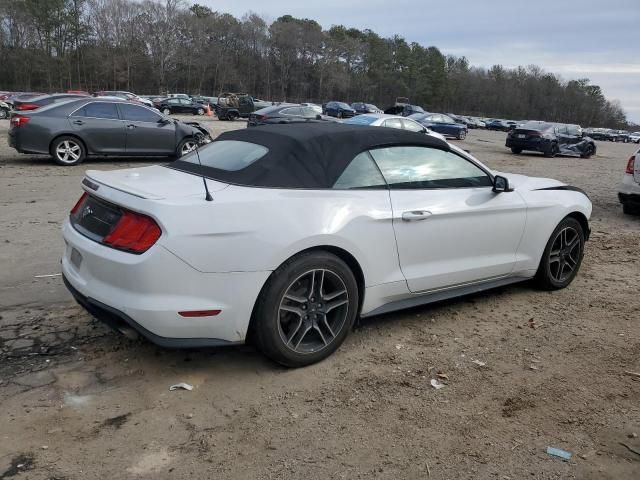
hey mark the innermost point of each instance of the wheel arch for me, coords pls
(339, 252)
(584, 222)
(72, 135)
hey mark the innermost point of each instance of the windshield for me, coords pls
(229, 155)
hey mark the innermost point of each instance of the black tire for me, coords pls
(68, 151)
(184, 147)
(629, 210)
(552, 151)
(462, 134)
(271, 325)
(516, 150)
(589, 152)
(200, 111)
(166, 111)
(231, 116)
(4, 113)
(340, 115)
(554, 277)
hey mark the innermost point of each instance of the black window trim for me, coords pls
(117, 110)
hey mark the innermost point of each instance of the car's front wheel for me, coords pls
(187, 145)
(516, 150)
(200, 111)
(166, 111)
(562, 256)
(4, 113)
(306, 309)
(68, 151)
(588, 151)
(462, 134)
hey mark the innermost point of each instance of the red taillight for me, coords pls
(78, 204)
(133, 232)
(19, 120)
(630, 165)
(27, 106)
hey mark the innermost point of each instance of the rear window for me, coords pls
(535, 126)
(229, 155)
(361, 120)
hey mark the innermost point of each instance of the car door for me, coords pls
(451, 228)
(174, 105)
(99, 125)
(412, 126)
(147, 132)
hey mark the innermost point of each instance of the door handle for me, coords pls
(78, 122)
(131, 126)
(415, 215)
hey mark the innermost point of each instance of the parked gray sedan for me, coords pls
(73, 130)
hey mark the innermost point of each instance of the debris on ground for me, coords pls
(436, 384)
(479, 363)
(557, 452)
(47, 276)
(631, 449)
(181, 386)
(632, 374)
(442, 376)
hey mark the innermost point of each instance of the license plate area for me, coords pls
(521, 135)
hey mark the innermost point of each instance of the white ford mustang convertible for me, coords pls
(285, 234)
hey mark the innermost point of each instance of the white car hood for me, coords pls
(523, 182)
(154, 182)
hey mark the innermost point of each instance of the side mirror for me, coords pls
(164, 121)
(501, 184)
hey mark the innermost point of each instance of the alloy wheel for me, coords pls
(3, 113)
(187, 147)
(313, 311)
(565, 253)
(68, 151)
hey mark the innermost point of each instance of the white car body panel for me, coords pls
(219, 254)
(434, 250)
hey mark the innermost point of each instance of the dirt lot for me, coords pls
(80, 402)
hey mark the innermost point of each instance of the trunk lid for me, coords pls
(154, 183)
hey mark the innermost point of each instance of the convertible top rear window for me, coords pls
(229, 155)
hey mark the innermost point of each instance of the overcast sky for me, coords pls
(597, 39)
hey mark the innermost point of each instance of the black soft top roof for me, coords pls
(306, 155)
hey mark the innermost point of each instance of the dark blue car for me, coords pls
(338, 110)
(442, 124)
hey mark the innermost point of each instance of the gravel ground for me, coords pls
(523, 369)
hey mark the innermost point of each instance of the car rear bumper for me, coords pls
(524, 144)
(146, 292)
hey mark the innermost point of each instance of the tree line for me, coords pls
(159, 46)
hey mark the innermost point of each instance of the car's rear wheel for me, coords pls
(589, 151)
(562, 256)
(552, 151)
(3, 113)
(306, 309)
(340, 115)
(187, 145)
(462, 134)
(516, 150)
(630, 210)
(68, 151)
(166, 111)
